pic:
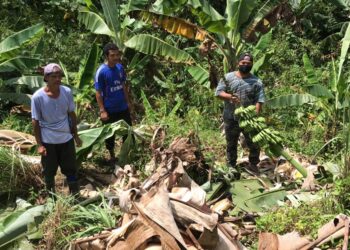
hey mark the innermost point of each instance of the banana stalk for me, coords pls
(264, 136)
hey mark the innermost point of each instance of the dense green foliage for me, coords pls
(300, 54)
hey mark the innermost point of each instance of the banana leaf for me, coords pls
(15, 225)
(208, 16)
(291, 100)
(149, 111)
(136, 5)
(250, 195)
(297, 199)
(111, 15)
(212, 189)
(263, 43)
(238, 12)
(265, 200)
(264, 19)
(88, 67)
(199, 74)
(38, 50)
(16, 40)
(65, 73)
(33, 82)
(310, 71)
(167, 7)
(18, 98)
(127, 151)
(19, 64)
(94, 139)
(151, 45)
(175, 25)
(258, 64)
(94, 22)
(344, 52)
(318, 90)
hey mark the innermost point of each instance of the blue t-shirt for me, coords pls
(52, 114)
(110, 82)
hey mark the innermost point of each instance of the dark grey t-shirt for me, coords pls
(250, 91)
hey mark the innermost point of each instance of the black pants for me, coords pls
(62, 155)
(114, 117)
(232, 132)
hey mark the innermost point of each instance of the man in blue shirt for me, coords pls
(112, 92)
(240, 88)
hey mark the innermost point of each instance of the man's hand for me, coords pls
(104, 116)
(77, 140)
(234, 99)
(42, 150)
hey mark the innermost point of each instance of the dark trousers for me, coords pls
(114, 117)
(232, 132)
(62, 155)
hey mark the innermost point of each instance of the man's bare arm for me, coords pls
(37, 132)
(37, 135)
(228, 97)
(103, 112)
(74, 130)
(126, 94)
(99, 100)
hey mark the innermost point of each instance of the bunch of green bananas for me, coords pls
(265, 137)
(256, 126)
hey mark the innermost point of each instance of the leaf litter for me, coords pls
(169, 210)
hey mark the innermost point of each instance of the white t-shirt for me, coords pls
(52, 114)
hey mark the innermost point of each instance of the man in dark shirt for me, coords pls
(240, 88)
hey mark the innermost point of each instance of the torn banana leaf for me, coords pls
(251, 196)
(16, 224)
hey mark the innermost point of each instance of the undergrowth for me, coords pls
(67, 221)
(305, 219)
(16, 122)
(308, 217)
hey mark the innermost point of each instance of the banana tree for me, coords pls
(13, 63)
(241, 21)
(83, 79)
(332, 99)
(114, 22)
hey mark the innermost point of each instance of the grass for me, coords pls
(16, 122)
(308, 217)
(68, 222)
(16, 174)
(305, 219)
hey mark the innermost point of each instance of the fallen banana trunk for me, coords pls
(158, 223)
(167, 211)
(16, 140)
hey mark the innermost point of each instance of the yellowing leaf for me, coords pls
(175, 25)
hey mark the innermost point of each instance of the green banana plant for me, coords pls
(331, 99)
(13, 63)
(241, 21)
(83, 79)
(108, 22)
